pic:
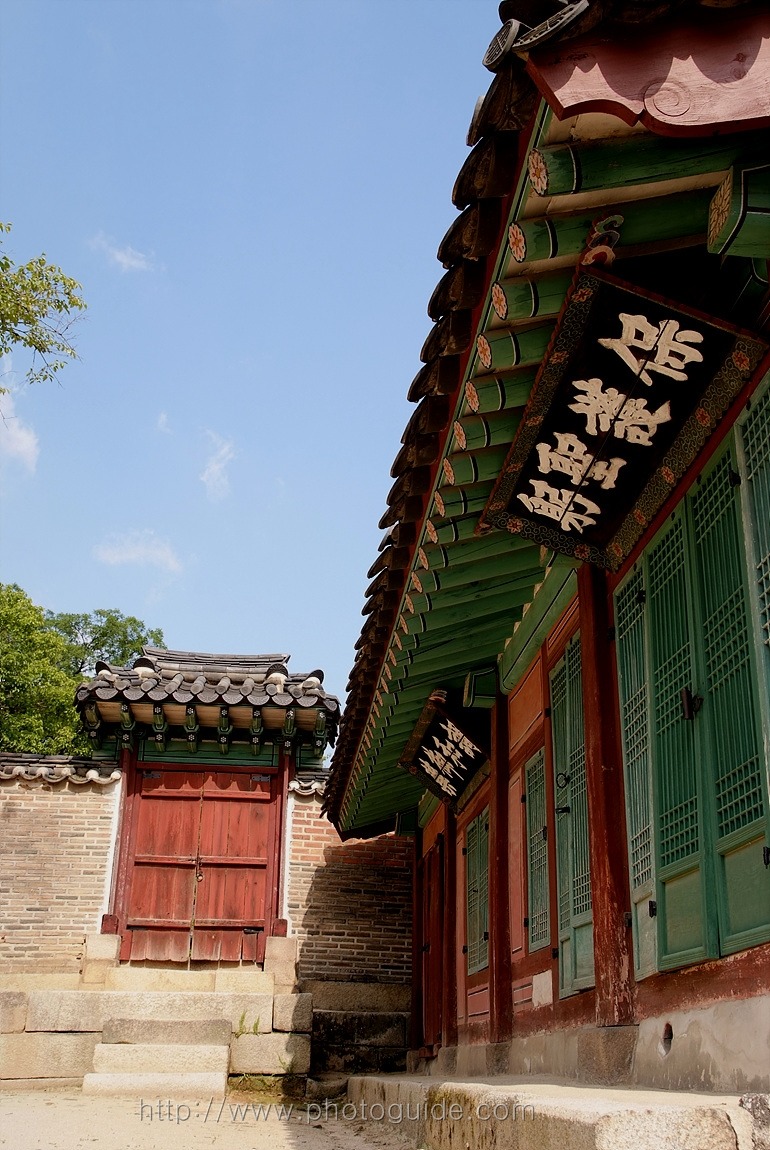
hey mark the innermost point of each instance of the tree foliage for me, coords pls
(38, 304)
(105, 634)
(43, 658)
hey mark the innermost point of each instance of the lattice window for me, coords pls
(538, 909)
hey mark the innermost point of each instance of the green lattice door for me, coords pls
(633, 674)
(694, 762)
(573, 874)
(538, 897)
(733, 752)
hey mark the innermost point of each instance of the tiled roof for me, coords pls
(189, 687)
(160, 676)
(56, 769)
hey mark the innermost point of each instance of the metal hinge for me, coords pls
(652, 908)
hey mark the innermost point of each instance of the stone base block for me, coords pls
(383, 997)
(46, 1055)
(94, 974)
(13, 1011)
(39, 981)
(153, 1058)
(77, 1010)
(293, 1012)
(270, 1054)
(148, 1089)
(144, 1031)
(280, 950)
(158, 978)
(102, 948)
(244, 979)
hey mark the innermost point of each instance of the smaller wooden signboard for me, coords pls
(629, 391)
(440, 754)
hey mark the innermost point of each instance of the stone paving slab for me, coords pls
(512, 1114)
(88, 1010)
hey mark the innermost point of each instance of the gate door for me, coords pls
(201, 880)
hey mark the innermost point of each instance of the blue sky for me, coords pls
(251, 193)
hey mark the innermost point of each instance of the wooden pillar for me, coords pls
(449, 1004)
(500, 992)
(613, 952)
(416, 1038)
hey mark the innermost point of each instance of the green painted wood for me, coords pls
(449, 502)
(522, 563)
(462, 467)
(477, 892)
(473, 432)
(739, 214)
(683, 932)
(558, 588)
(631, 639)
(652, 223)
(561, 169)
(468, 593)
(732, 736)
(486, 548)
(466, 615)
(755, 444)
(498, 350)
(452, 531)
(457, 654)
(480, 689)
(519, 299)
(538, 900)
(576, 955)
(499, 392)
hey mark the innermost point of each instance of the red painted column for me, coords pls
(500, 992)
(449, 1004)
(613, 953)
(416, 1037)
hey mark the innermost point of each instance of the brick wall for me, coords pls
(55, 850)
(349, 903)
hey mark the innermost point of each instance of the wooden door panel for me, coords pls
(202, 865)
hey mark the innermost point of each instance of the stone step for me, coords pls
(154, 1058)
(242, 979)
(89, 1010)
(153, 1031)
(148, 1089)
(359, 996)
(445, 1114)
(355, 1041)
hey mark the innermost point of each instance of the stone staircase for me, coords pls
(156, 1031)
(149, 1059)
(359, 1027)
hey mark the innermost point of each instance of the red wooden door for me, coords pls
(201, 881)
(433, 942)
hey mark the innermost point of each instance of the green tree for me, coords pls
(36, 694)
(38, 304)
(105, 634)
(43, 658)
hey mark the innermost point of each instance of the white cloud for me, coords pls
(161, 424)
(128, 259)
(144, 548)
(214, 475)
(17, 439)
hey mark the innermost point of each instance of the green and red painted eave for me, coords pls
(448, 603)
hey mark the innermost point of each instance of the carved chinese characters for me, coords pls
(631, 389)
(441, 754)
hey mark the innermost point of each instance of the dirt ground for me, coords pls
(68, 1120)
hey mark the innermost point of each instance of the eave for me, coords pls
(445, 603)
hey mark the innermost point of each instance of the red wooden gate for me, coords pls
(200, 869)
